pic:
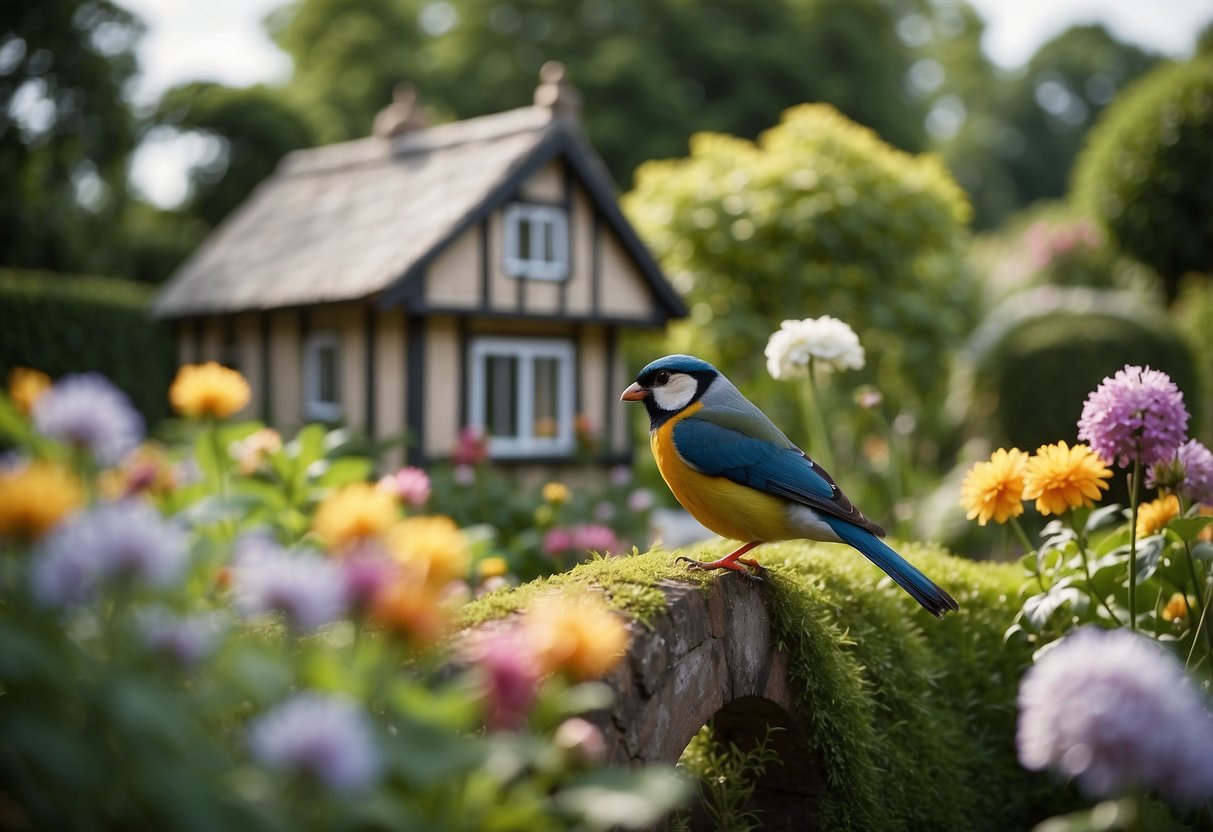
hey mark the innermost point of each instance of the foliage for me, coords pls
(62, 324)
(112, 721)
(1193, 312)
(1144, 171)
(725, 778)
(469, 56)
(1068, 352)
(65, 131)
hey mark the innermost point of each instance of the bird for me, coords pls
(742, 478)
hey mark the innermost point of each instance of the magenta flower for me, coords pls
(1116, 712)
(410, 484)
(88, 412)
(1138, 414)
(510, 676)
(325, 738)
(472, 447)
(307, 589)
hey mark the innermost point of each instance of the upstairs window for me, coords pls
(536, 242)
(322, 377)
(521, 393)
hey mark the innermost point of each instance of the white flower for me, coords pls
(327, 738)
(828, 342)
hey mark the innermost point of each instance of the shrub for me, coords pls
(65, 324)
(1145, 170)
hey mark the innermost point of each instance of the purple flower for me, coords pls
(183, 639)
(367, 574)
(325, 738)
(309, 590)
(1138, 414)
(87, 411)
(123, 542)
(411, 485)
(1116, 712)
(1195, 465)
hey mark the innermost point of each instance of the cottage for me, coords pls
(425, 279)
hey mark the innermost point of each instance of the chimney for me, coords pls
(403, 115)
(556, 93)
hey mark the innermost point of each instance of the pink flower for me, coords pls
(472, 447)
(557, 541)
(410, 484)
(510, 676)
(595, 538)
(640, 500)
(465, 475)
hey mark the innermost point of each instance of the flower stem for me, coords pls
(819, 439)
(1029, 549)
(1081, 540)
(1198, 581)
(1134, 499)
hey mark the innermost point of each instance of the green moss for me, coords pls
(914, 718)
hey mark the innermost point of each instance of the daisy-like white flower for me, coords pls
(826, 342)
(1116, 713)
(88, 412)
(125, 542)
(307, 589)
(1138, 414)
(327, 739)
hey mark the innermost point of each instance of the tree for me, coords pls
(65, 130)
(651, 72)
(1146, 171)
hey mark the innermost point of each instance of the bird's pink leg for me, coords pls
(729, 561)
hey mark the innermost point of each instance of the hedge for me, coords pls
(68, 324)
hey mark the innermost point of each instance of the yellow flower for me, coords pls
(25, 386)
(493, 567)
(354, 513)
(1060, 478)
(208, 389)
(431, 548)
(1152, 517)
(1176, 610)
(994, 489)
(413, 610)
(577, 635)
(36, 497)
(556, 493)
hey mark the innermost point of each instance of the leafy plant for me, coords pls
(725, 778)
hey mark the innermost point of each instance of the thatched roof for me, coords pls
(355, 220)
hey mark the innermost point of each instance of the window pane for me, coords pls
(501, 379)
(524, 238)
(549, 242)
(326, 372)
(547, 380)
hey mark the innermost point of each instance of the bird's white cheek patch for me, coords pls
(808, 524)
(676, 393)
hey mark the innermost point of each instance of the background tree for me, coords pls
(65, 129)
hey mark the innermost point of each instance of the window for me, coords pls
(322, 377)
(536, 242)
(521, 393)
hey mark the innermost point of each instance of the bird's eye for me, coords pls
(661, 378)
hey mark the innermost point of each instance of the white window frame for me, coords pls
(314, 408)
(526, 350)
(539, 217)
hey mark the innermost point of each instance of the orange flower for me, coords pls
(34, 498)
(994, 489)
(412, 610)
(209, 389)
(577, 635)
(25, 386)
(354, 513)
(1152, 517)
(556, 493)
(1176, 610)
(1060, 478)
(433, 549)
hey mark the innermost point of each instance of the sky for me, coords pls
(224, 40)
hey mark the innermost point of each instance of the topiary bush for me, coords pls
(1033, 383)
(68, 324)
(1147, 169)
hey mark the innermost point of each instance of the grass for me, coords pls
(914, 717)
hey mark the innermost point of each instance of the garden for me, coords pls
(210, 619)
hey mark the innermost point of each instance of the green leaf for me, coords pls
(1102, 516)
(345, 470)
(1203, 550)
(1189, 528)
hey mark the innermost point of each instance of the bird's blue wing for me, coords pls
(784, 471)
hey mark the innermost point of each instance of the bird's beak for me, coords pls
(634, 393)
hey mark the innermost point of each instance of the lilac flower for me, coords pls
(183, 639)
(309, 590)
(1138, 414)
(124, 542)
(411, 485)
(1194, 472)
(1116, 712)
(326, 738)
(89, 412)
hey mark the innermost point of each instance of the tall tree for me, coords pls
(65, 130)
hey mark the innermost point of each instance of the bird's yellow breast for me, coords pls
(727, 508)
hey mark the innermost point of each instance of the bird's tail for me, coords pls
(925, 591)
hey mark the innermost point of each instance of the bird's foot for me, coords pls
(749, 567)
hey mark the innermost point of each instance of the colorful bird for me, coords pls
(738, 475)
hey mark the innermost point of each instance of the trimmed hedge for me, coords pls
(68, 324)
(913, 718)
